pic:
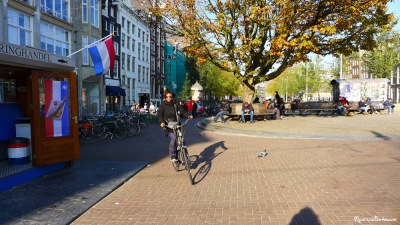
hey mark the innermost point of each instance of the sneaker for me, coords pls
(215, 121)
(251, 121)
(175, 161)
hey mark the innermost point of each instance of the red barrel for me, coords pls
(18, 151)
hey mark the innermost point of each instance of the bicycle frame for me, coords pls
(182, 153)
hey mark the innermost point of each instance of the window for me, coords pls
(85, 56)
(123, 61)
(57, 8)
(128, 43)
(19, 28)
(133, 28)
(143, 49)
(147, 75)
(116, 75)
(94, 12)
(147, 54)
(138, 33)
(116, 48)
(139, 72)
(128, 27)
(112, 13)
(54, 39)
(106, 25)
(128, 62)
(85, 11)
(123, 40)
(123, 22)
(133, 44)
(139, 50)
(111, 27)
(143, 36)
(133, 64)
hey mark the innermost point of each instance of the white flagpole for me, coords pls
(112, 34)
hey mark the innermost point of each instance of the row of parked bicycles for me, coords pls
(119, 125)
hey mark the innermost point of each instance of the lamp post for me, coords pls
(165, 90)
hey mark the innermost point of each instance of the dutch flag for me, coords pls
(57, 122)
(103, 56)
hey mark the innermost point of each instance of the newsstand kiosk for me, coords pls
(38, 107)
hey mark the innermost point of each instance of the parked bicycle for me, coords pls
(113, 127)
(182, 151)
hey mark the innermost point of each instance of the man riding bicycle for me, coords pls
(169, 111)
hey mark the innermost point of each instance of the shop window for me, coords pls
(7, 90)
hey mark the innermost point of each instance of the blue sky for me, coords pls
(394, 7)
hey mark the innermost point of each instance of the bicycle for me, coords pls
(82, 134)
(183, 156)
(114, 126)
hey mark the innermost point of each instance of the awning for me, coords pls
(115, 91)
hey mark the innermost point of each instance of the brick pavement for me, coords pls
(303, 180)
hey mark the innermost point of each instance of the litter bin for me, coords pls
(18, 151)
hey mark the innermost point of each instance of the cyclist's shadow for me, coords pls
(204, 160)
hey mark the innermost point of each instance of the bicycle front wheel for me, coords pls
(120, 130)
(187, 162)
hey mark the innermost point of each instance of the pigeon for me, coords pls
(263, 153)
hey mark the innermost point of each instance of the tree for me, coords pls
(381, 61)
(217, 82)
(186, 92)
(299, 79)
(256, 40)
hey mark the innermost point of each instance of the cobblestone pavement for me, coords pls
(318, 170)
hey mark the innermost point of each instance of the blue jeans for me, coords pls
(251, 116)
(172, 145)
(390, 109)
(365, 109)
(221, 114)
(341, 110)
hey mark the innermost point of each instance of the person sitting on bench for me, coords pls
(270, 108)
(247, 108)
(363, 106)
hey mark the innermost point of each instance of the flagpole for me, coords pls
(112, 34)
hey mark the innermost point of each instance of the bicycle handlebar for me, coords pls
(175, 125)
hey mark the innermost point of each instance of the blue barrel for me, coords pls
(18, 151)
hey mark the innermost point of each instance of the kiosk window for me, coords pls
(7, 90)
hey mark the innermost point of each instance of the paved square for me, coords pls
(300, 181)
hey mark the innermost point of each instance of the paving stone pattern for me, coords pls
(320, 176)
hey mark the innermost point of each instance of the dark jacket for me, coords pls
(166, 111)
(361, 104)
(248, 108)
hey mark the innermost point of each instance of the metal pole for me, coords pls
(306, 83)
(340, 66)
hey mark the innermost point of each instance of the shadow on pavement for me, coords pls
(306, 216)
(380, 136)
(204, 160)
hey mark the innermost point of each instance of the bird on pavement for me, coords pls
(263, 153)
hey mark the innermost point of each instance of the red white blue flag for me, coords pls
(103, 56)
(57, 122)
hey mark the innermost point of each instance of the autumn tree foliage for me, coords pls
(257, 40)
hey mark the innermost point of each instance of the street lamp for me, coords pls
(165, 90)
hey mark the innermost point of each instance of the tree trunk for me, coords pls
(248, 93)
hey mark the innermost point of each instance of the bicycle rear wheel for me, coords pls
(100, 131)
(120, 130)
(132, 129)
(82, 137)
(187, 163)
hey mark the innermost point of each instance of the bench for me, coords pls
(314, 107)
(354, 109)
(259, 112)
